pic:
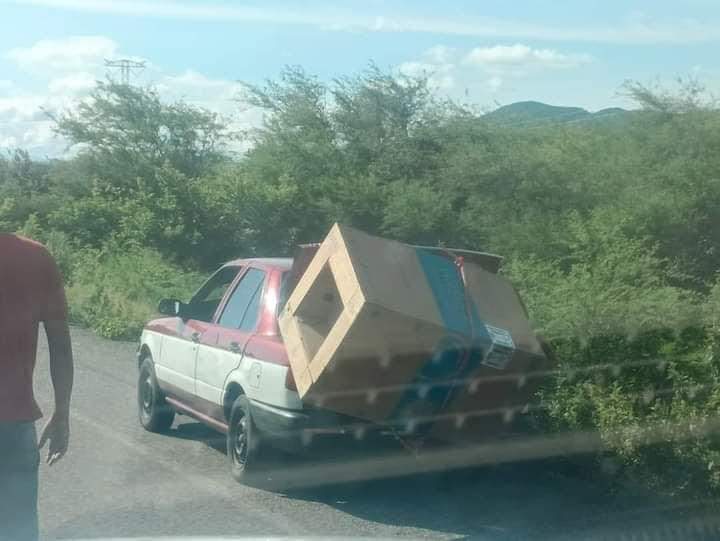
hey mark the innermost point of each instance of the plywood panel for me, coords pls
(370, 322)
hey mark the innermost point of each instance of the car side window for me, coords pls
(204, 303)
(242, 309)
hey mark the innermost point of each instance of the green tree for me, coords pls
(22, 176)
(127, 132)
(141, 160)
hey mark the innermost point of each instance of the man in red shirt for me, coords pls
(31, 292)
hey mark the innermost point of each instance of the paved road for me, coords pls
(120, 481)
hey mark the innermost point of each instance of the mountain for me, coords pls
(527, 113)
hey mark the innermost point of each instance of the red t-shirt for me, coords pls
(31, 291)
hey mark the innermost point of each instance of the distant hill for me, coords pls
(534, 112)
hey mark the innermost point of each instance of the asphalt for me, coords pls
(121, 481)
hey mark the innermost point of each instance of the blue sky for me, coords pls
(485, 53)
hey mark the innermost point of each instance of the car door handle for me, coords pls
(195, 337)
(234, 347)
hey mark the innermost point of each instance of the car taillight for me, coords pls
(290, 381)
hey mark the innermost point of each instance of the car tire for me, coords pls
(154, 413)
(242, 441)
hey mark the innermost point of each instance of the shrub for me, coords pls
(66, 251)
(115, 291)
(636, 361)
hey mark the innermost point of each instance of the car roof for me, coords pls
(282, 263)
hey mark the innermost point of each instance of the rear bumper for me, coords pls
(319, 431)
(298, 431)
(283, 423)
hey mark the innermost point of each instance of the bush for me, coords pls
(115, 291)
(638, 362)
(66, 250)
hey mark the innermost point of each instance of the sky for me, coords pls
(484, 53)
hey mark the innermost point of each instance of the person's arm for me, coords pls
(57, 430)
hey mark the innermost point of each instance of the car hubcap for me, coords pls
(146, 393)
(240, 445)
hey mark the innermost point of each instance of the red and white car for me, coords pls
(220, 359)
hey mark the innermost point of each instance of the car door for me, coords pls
(222, 346)
(175, 367)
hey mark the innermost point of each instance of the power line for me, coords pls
(126, 67)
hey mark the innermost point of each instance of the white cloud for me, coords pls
(23, 124)
(440, 54)
(79, 83)
(21, 108)
(193, 86)
(481, 75)
(417, 69)
(443, 82)
(221, 96)
(636, 29)
(7, 141)
(494, 83)
(40, 136)
(523, 56)
(439, 75)
(76, 53)
(70, 67)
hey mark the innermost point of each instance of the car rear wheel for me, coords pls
(154, 413)
(242, 441)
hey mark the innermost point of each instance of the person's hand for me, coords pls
(57, 434)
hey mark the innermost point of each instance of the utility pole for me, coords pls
(126, 68)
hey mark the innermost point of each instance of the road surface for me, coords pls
(120, 481)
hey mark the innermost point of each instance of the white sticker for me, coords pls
(501, 349)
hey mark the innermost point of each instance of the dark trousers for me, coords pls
(19, 460)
